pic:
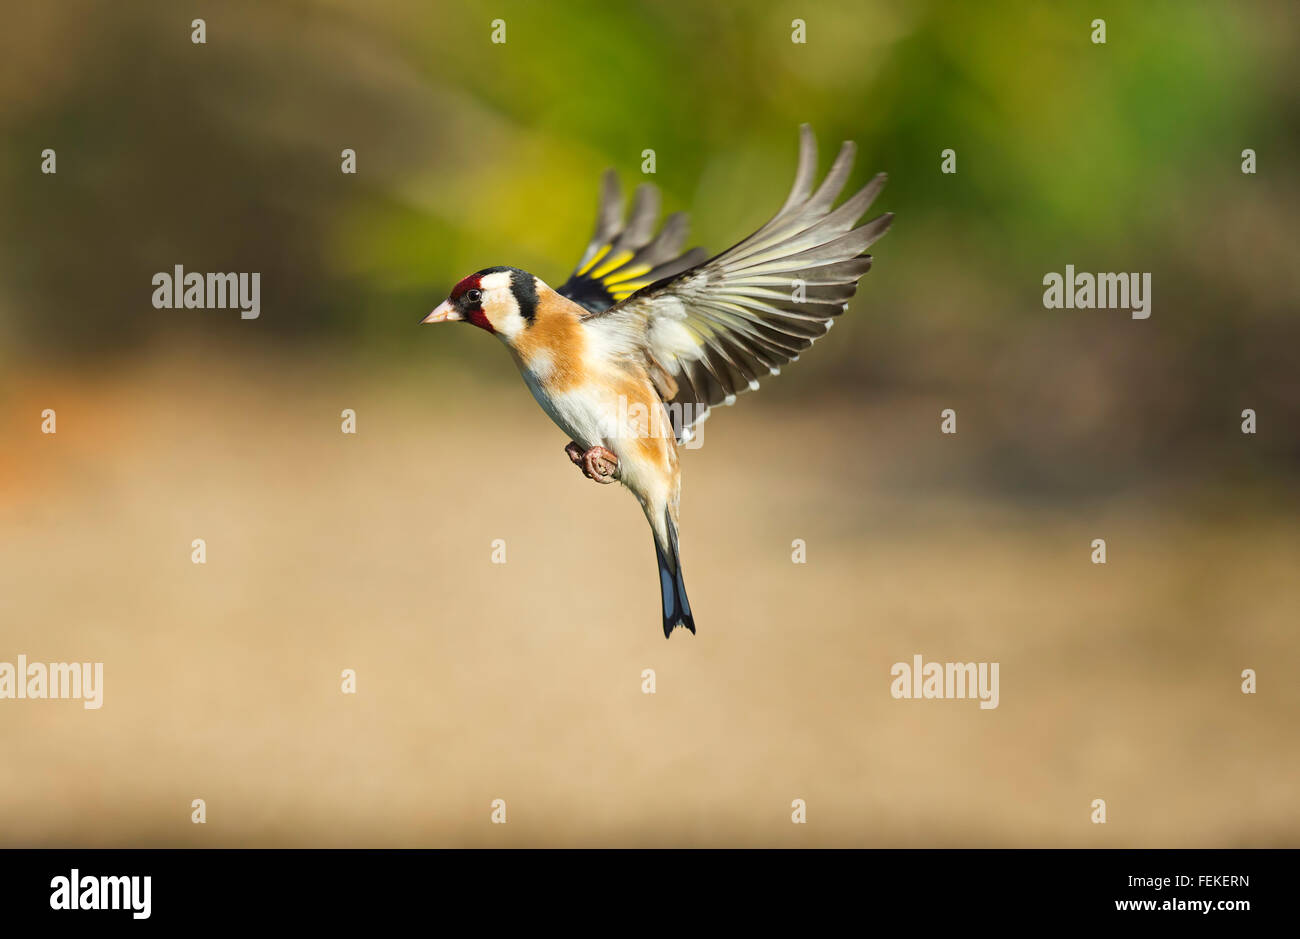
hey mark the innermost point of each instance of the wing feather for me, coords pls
(622, 258)
(716, 327)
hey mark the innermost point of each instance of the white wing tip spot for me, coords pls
(729, 400)
(753, 385)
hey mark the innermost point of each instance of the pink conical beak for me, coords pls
(443, 313)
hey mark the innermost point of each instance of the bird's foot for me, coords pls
(600, 465)
(597, 464)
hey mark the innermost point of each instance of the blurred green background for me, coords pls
(522, 681)
(1115, 157)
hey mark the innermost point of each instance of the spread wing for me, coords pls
(711, 332)
(622, 258)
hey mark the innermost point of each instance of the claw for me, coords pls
(597, 464)
(600, 465)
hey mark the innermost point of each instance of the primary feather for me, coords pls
(620, 259)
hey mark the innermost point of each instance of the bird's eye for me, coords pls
(474, 296)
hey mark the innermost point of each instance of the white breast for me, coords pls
(584, 413)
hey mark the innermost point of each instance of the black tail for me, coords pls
(677, 609)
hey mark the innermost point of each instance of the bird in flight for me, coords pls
(632, 351)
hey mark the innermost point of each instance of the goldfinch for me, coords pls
(632, 351)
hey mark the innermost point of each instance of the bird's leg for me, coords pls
(597, 464)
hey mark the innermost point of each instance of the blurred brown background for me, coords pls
(523, 681)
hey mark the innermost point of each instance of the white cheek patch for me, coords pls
(506, 321)
(500, 306)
